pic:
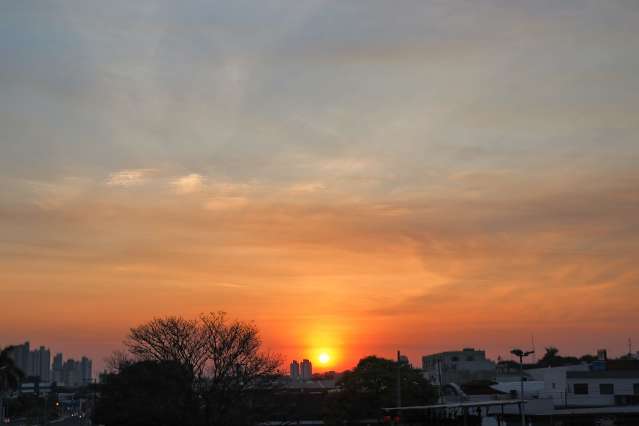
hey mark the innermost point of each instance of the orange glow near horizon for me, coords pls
(324, 345)
(391, 184)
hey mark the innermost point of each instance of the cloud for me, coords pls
(129, 177)
(449, 138)
(544, 257)
(188, 184)
(58, 193)
(233, 188)
(307, 187)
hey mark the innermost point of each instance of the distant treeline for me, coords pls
(552, 358)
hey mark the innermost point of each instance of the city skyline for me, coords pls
(50, 366)
(324, 361)
(354, 179)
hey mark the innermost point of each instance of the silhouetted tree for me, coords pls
(236, 368)
(552, 359)
(148, 393)
(117, 361)
(222, 361)
(170, 339)
(372, 386)
(587, 358)
(10, 374)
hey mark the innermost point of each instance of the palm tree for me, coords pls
(10, 375)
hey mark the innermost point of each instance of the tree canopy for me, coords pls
(148, 393)
(220, 361)
(372, 385)
(10, 374)
(552, 359)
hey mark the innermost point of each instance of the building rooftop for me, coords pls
(609, 374)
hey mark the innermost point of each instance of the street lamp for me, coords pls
(521, 354)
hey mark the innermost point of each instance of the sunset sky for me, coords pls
(354, 176)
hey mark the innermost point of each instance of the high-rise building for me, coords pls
(86, 367)
(36, 363)
(306, 370)
(295, 370)
(57, 362)
(71, 373)
(77, 373)
(20, 355)
(56, 371)
(45, 365)
(40, 364)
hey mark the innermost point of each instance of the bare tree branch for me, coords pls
(224, 357)
(170, 339)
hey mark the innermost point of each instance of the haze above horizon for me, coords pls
(354, 178)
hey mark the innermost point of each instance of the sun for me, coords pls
(324, 358)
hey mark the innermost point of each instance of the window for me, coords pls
(470, 358)
(635, 388)
(455, 359)
(580, 388)
(554, 385)
(606, 388)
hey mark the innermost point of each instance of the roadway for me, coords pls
(68, 421)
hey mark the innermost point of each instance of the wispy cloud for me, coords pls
(130, 177)
(188, 184)
(481, 156)
(229, 285)
(53, 195)
(426, 263)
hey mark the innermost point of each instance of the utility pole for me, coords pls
(439, 379)
(399, 380)
(521, 354)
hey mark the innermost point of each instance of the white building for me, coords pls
(457, 366)
(533, 389)
(581, 386)
(592, 388)
(590, 391)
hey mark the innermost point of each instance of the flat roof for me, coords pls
(460, 405)
(607, 374)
